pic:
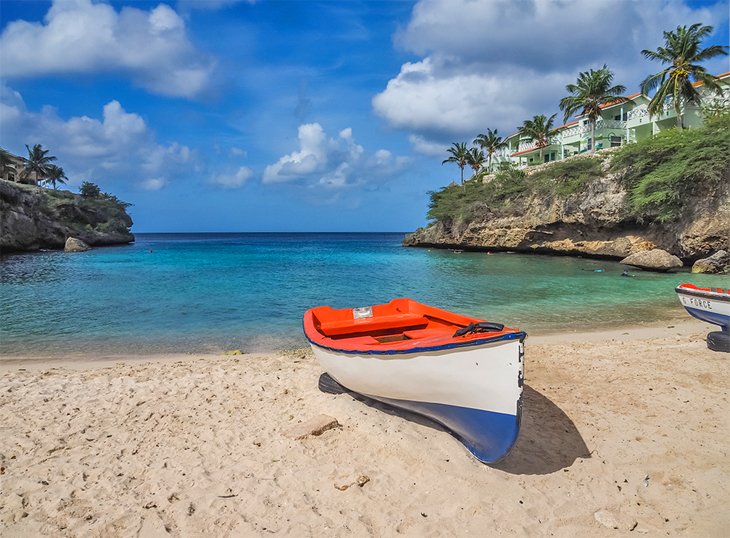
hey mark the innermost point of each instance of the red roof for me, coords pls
(527, 151)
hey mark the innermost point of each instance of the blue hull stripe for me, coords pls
(710, 317)
(487, 435)
(468, 343)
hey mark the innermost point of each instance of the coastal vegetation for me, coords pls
(36, 217)
(490, 142)
(538, 129)
(460, 155)
(661, 175)
(674, 86)
(591, 91)
(683, 52)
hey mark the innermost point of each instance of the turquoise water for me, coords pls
(208, 292)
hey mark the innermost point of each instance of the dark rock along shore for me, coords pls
(32, 218)
(593, 223)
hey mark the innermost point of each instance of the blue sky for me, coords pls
(225, 115)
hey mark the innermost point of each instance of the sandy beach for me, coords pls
(624, 432)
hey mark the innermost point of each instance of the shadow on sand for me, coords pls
(548, 440)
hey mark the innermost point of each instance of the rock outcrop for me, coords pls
(655, 259)
(75, 245)
(32, 218)
(718, 263)
(594, 222)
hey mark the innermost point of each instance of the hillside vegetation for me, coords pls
(661, 176)
(32, 217)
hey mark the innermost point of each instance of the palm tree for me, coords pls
(38, 163)
(459, 155)
(491, 143)
(683, 53)
(476, 160)
(55, 174)
(538, 129)
(592, 90)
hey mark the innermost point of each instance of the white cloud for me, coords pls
(421, 145)
(153, 184)
(232, 180)
(332, 162)
(209, 5)
(494, 64)
(238, 152)
(118, 146)
(78, 36)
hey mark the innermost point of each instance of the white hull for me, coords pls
(704, 306)
(475, 391)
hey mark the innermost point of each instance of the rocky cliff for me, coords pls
(32, 218)
(595, 221)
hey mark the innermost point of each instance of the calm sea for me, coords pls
(212, 292)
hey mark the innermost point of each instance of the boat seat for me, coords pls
(379, 323)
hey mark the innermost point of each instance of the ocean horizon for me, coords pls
(215, 291)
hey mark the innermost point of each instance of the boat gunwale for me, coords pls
(521, 335)
(711, 295)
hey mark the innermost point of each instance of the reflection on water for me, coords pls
(206, 292)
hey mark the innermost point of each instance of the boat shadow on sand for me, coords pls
(548, 442)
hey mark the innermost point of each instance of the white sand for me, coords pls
(629, 429)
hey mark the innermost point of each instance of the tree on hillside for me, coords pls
(538, 129)
(55, 175)
(476, 160)
(491, 143)
(591, 91)
(90, 190)
(682, 51)
(459, 155)
(37, 164)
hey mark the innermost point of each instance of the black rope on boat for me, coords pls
(481, 327)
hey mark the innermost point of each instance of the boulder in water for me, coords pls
(653, 260)
(718, 264)
(75, 245)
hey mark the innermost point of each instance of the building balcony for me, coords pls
(584, 131)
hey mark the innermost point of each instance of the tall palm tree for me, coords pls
(55, 174)
(592, 90)
(538, 129)
(476, 160)
(682, 51)
(459, 155)
(491, 143)
(38, 163)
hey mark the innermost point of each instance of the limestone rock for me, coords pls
(314, 426)
(653, 260)
(32, 218)
(718, 264)
(596, 221)
(75, 245)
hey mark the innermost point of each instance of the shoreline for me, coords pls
(684, 326)
(631, 422)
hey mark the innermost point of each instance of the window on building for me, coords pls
(615, 141)
(589, 144)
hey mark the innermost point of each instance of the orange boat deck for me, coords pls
(401, 325)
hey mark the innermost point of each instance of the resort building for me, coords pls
(620, 123)
(11, 169)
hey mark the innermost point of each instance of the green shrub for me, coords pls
(90, 190)
(661, 174)
(565, 178)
